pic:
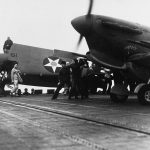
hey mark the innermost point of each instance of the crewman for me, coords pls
(32, 91)
(64, 79)
(7, 45)
(75, 79)
(108, 80)
(84, 79)
(26, 92)
(15, 79)
(3, 82)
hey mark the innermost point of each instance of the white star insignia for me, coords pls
(53, 63)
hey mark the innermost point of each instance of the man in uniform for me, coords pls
(7, 45)
(15, 78)
(75, 79)
(64, 79)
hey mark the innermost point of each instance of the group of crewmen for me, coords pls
(74, 76)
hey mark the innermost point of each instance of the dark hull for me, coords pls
(36, 80)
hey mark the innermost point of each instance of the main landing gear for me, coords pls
(144, 94)
(119, 93)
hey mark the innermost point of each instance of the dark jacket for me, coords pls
(75, 70)
(64, 74)
(8, 44)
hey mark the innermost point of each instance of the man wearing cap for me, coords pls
(64, 78)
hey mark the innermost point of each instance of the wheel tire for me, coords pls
(144, 95)
(118, 98)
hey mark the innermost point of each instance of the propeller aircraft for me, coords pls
(123, 47)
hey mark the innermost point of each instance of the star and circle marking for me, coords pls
(52, 64)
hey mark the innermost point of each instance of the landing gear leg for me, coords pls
(119, 92)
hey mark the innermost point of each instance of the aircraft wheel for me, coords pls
(118, 98)
(144, 94)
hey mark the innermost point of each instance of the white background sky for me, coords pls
(47, 23)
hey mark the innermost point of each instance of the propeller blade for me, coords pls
(79, 41)
(88, 14)
(90, 7)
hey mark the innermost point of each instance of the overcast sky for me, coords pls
(47, 23)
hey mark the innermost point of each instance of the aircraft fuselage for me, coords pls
(39, 66)
(112, 42)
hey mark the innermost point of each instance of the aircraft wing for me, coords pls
(141, 58)
(67, 54)
(105, 60)
(145, 44)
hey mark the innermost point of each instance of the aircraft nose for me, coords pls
(82, 24)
